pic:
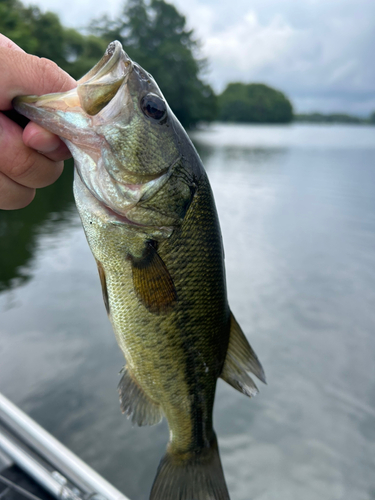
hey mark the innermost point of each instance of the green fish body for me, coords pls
(150, 220)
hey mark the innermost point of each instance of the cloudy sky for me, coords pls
(321, 53)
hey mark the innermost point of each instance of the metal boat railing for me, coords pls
(53, 466)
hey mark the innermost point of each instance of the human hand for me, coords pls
(33, 157)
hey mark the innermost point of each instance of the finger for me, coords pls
(21, 74)
(8, 43)
(45, 142)
(21, 163)
(13, 195)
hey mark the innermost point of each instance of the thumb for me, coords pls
(8, 43)
(22, 74)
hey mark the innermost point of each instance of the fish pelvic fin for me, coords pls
(198, 477)
(135, 403)
(104, 285)
(239, 360)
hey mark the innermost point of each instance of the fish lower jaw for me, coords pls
(89, 202)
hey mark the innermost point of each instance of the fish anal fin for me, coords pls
(104, 285)
(152, 282)
(135, 403)
(239, 360)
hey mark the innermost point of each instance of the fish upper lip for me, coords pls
(111, 57)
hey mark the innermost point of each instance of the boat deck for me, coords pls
(36, 466)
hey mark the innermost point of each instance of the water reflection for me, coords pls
(237, 156)
(19, 229)
(298, 223)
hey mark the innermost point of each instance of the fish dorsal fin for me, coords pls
(135, 403)
(239, 360)
(104, 285)
(152, 282)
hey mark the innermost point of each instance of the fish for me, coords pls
(150, 220)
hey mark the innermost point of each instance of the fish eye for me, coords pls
(154, 107)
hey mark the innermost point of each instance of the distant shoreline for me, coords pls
(334, 118)
(207, 125)
(311, 119)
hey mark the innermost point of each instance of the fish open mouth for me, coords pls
(70, 114)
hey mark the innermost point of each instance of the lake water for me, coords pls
(297, 209)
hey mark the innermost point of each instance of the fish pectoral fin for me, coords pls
(104, 285)
(241, 359)
(135, 403)
(152, 282)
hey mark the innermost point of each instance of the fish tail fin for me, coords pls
(198, 477)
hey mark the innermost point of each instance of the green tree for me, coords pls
(16, 24)
(254, 103)
(155, 35)
(42, 34)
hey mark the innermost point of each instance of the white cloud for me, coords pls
(234, 36)
(247, 47)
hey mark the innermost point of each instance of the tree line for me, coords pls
(155, 35)
(335, 118)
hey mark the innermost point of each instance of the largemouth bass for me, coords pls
(150, 220)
